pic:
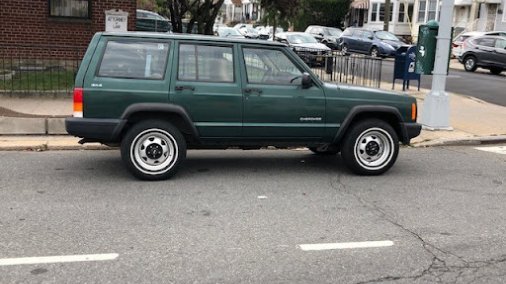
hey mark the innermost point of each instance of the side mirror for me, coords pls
(307, 82)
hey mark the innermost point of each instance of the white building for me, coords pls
(241, 11)
(468, 15)
(401, 16)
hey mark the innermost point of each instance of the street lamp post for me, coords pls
(436, 107)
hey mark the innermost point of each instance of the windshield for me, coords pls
(333, 32)
(386, 35)
(301, 38)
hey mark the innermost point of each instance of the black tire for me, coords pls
(495, 70)
(470, 63)
(370, 147)
(374, 52)
(153, 150)
(326, 152)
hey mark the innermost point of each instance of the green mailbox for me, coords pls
(426, 47)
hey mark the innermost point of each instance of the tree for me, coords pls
(321, 12)
(201, 12)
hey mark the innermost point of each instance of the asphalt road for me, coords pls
(240, 217)
(480, 84)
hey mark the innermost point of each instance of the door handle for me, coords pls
(181, 88)
(252, 90)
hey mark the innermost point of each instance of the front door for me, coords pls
(275, 104)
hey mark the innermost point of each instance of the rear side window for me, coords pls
(205, 63)
(489, 42)
(134, 60)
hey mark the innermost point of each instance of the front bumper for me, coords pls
(410, 131)
(93, 129)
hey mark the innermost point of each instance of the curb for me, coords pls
(473, 141)
(32, 125)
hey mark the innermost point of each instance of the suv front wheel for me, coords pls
(370, 147)
(153, 149)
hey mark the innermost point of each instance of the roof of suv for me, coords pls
(194, 37)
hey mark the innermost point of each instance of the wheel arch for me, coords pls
(174, 114)
(389, 114)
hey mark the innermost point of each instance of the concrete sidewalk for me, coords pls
(38, 123)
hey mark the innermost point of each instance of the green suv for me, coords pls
(157, 95)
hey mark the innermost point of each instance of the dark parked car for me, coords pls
(326, 35)
(306, 46)
(488, 52)
(148, 21)
(374, 43)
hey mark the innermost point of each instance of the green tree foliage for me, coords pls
(301, 13)
(200, 13)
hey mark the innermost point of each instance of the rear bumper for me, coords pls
(410, 131)
(100, 130)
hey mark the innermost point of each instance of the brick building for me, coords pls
(58, 23)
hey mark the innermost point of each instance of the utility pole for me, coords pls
(436, 107)
(386, 20)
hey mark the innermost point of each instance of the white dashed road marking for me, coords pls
(496, 149)
(57, 259)
(374, 244)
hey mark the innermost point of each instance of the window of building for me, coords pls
(421, 11)
(382, 12)
(134, 60)
(402, 13)
(374, 12)
(432, 10)
(205, 63)
(410, 12)
(70, 8)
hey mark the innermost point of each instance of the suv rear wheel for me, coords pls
(370, 147)
(470, 63)
(153, 150)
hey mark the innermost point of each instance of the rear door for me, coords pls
(127, 71)
(500, 53)
(485, 51)
(206, 84)
(275, 104)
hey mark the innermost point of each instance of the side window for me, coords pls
(270, 67)
(205, 63)
(500, 43)
(488, 42)
(134, 60)
(366, 35)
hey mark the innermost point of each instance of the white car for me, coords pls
(458, 41)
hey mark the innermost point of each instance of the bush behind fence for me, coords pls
(41, 70)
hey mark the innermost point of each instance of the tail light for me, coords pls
(78, 102)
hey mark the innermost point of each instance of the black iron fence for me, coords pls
(348, 69)
(42, 70)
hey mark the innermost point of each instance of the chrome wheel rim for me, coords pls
(154, 151)
(374, 148)
(344, 49)
(469, 63)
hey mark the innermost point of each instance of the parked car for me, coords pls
(326, 35)
(151, 22)
(458, 41)
(306, 46)
(247, 31)
(157, 95)
(266, 32)
(488, 52)
(229, 32)
(374, 43)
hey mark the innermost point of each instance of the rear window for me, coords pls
(134, 60)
